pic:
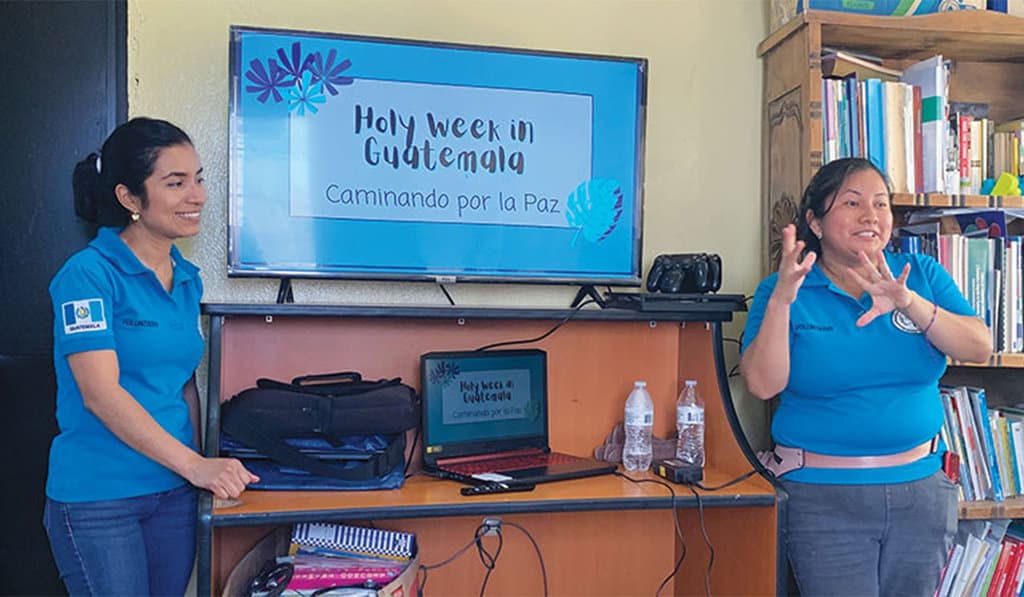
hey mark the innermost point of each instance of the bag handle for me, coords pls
(323, 378)
(346, 376)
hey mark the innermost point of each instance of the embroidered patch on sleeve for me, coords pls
(84, 316)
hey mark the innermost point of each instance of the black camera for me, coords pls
(685, 273)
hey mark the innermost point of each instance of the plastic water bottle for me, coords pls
(690, 425)
(636, 453)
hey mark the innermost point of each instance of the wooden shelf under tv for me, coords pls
(582, 524)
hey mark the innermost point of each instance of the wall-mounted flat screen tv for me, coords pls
(365, 157)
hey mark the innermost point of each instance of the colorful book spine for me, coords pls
(321, 577)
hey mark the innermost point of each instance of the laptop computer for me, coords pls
(485, 419)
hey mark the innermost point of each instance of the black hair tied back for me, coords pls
(85, 182)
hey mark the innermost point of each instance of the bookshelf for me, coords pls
(987, 53)
(580, 525)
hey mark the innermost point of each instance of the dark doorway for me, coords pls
(63, 69)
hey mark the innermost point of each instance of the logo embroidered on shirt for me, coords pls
(904, 324)
(83, 316)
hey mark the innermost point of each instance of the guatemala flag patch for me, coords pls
(83, 316)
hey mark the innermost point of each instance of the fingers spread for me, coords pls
(867, 318)
(904, 274)
(859, 279)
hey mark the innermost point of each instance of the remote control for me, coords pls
(496, 487)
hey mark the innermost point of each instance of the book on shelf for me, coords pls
(930, 76)
(875, 122)
(311, 573)
(840, 63)
(949, 571)
(329, 538)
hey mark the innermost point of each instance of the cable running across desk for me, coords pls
(489, 560)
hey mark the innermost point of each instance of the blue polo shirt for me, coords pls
(860, 391)
(104, 298)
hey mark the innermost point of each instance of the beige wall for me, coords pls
(703, 127)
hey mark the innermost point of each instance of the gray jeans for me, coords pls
(870, 540)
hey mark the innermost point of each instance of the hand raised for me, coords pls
(224, 477)
(887, 292)
(792, 271)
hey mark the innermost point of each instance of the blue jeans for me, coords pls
(870, 540)
(142, 545)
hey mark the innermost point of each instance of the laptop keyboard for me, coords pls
(512, 463)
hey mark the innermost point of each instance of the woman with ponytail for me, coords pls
(121, 499)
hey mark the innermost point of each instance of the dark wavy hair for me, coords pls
(818, 195)
(127, 158)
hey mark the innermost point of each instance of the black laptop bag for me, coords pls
(337, 408)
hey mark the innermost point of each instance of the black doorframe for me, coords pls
(64, 68)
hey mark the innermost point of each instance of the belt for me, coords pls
(783, 459)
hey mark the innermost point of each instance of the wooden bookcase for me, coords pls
(598, 536)
(987, 50)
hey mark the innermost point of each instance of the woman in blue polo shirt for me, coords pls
(854, 340)
(121, 503)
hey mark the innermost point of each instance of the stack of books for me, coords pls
(327, 555)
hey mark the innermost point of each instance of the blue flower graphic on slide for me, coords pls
(443, 374)
(303, 77)
(594, 209)
(305, 94)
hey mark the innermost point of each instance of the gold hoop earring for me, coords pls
(135, 216)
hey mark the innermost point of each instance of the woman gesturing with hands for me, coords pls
(770, 353)
(855, 353)
(961, 337)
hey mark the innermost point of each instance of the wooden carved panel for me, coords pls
(784, 181)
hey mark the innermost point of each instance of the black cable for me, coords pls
(675, 519)
(489, 561)
(707, 541)
(536, 548)
(451, 301)
(730, 340)
(742, 477)
(412, 450)
(542, 336)
(425, 568)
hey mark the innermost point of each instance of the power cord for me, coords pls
(739, 479)
(675, 519)
(545, 334)
(536, 548)
(448, 296)
(426, 569)
(488, 559)
(412, 451)
(707, 540)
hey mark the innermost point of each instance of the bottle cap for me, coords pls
(639, 384)
(691, 382)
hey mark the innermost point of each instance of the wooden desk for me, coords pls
(598, 536)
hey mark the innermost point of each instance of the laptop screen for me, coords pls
(483, 402)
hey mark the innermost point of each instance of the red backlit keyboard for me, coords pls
(511, 463)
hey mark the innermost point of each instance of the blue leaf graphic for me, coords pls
(594, 209)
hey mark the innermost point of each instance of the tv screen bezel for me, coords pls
(235, 75)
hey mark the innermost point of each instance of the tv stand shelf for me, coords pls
(581, 525)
